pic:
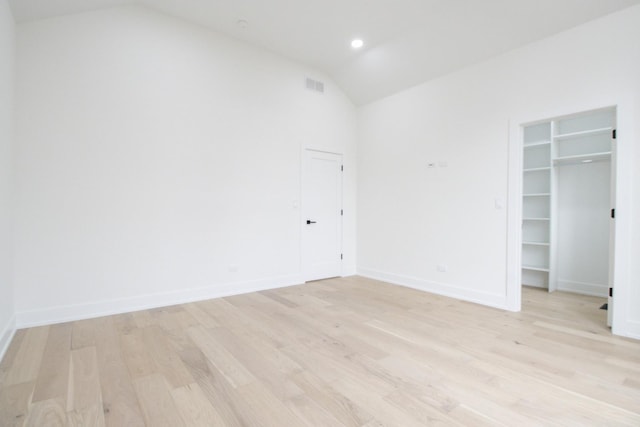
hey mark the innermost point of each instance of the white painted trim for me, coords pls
(632, 330)
(514, 217)
(622, 323)
(484, 298)
(7, 335)
(70, 313)
(593, 289)
(529, 285)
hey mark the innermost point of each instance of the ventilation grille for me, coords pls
(315, 85)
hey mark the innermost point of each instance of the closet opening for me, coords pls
(568, 205)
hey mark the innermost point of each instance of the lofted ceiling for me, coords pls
(406, 41)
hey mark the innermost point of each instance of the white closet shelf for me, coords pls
(580, 158)
(546, 168)
(528, 267)
(591, 132)
(537, 195)
(536, 219)
(535, 244)
(537, 144)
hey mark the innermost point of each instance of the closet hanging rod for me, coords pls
(582, 159)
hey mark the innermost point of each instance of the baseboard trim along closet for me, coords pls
(6, 336)
(69, 313)
(491, 300)
(633, 331)
(593, 289)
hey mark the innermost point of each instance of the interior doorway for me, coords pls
(568, 203)
(321, 214)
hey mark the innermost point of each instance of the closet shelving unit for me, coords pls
(581, 138)
(536, 202)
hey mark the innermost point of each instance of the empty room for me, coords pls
(319, 213)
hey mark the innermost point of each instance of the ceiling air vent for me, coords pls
(315, 85)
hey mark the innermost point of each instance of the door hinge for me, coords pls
(613, 213)
(341, 212)
(611, 292)
(614, 134)
(341, 256)
(342, 167)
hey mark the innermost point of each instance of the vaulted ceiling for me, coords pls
(406, 41)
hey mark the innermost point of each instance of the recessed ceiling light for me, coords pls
(357, 43)
(242, 24)
(587, 161)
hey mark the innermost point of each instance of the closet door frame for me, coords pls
(612, 226)
(621, 163)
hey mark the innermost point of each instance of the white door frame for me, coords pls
(625, 116)
(303, 150)
(612, 228)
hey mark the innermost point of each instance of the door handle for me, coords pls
(310, 222)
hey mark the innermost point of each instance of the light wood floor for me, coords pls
(352, 352)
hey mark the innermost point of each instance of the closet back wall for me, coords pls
(154, 158)
(584, 200)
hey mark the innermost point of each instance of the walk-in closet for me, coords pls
(568, 202)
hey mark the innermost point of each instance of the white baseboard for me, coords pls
(483, 298)
(632, 330)
(6, 335)
(593, 289)
(529, 285)
(69, 313)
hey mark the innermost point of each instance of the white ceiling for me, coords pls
(406, 41)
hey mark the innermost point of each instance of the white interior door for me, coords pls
(321, 215)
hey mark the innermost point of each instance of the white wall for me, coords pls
(152, 156)
(7, 42)
(583, 204)
(411, 218)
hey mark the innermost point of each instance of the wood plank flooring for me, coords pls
(340, 352)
